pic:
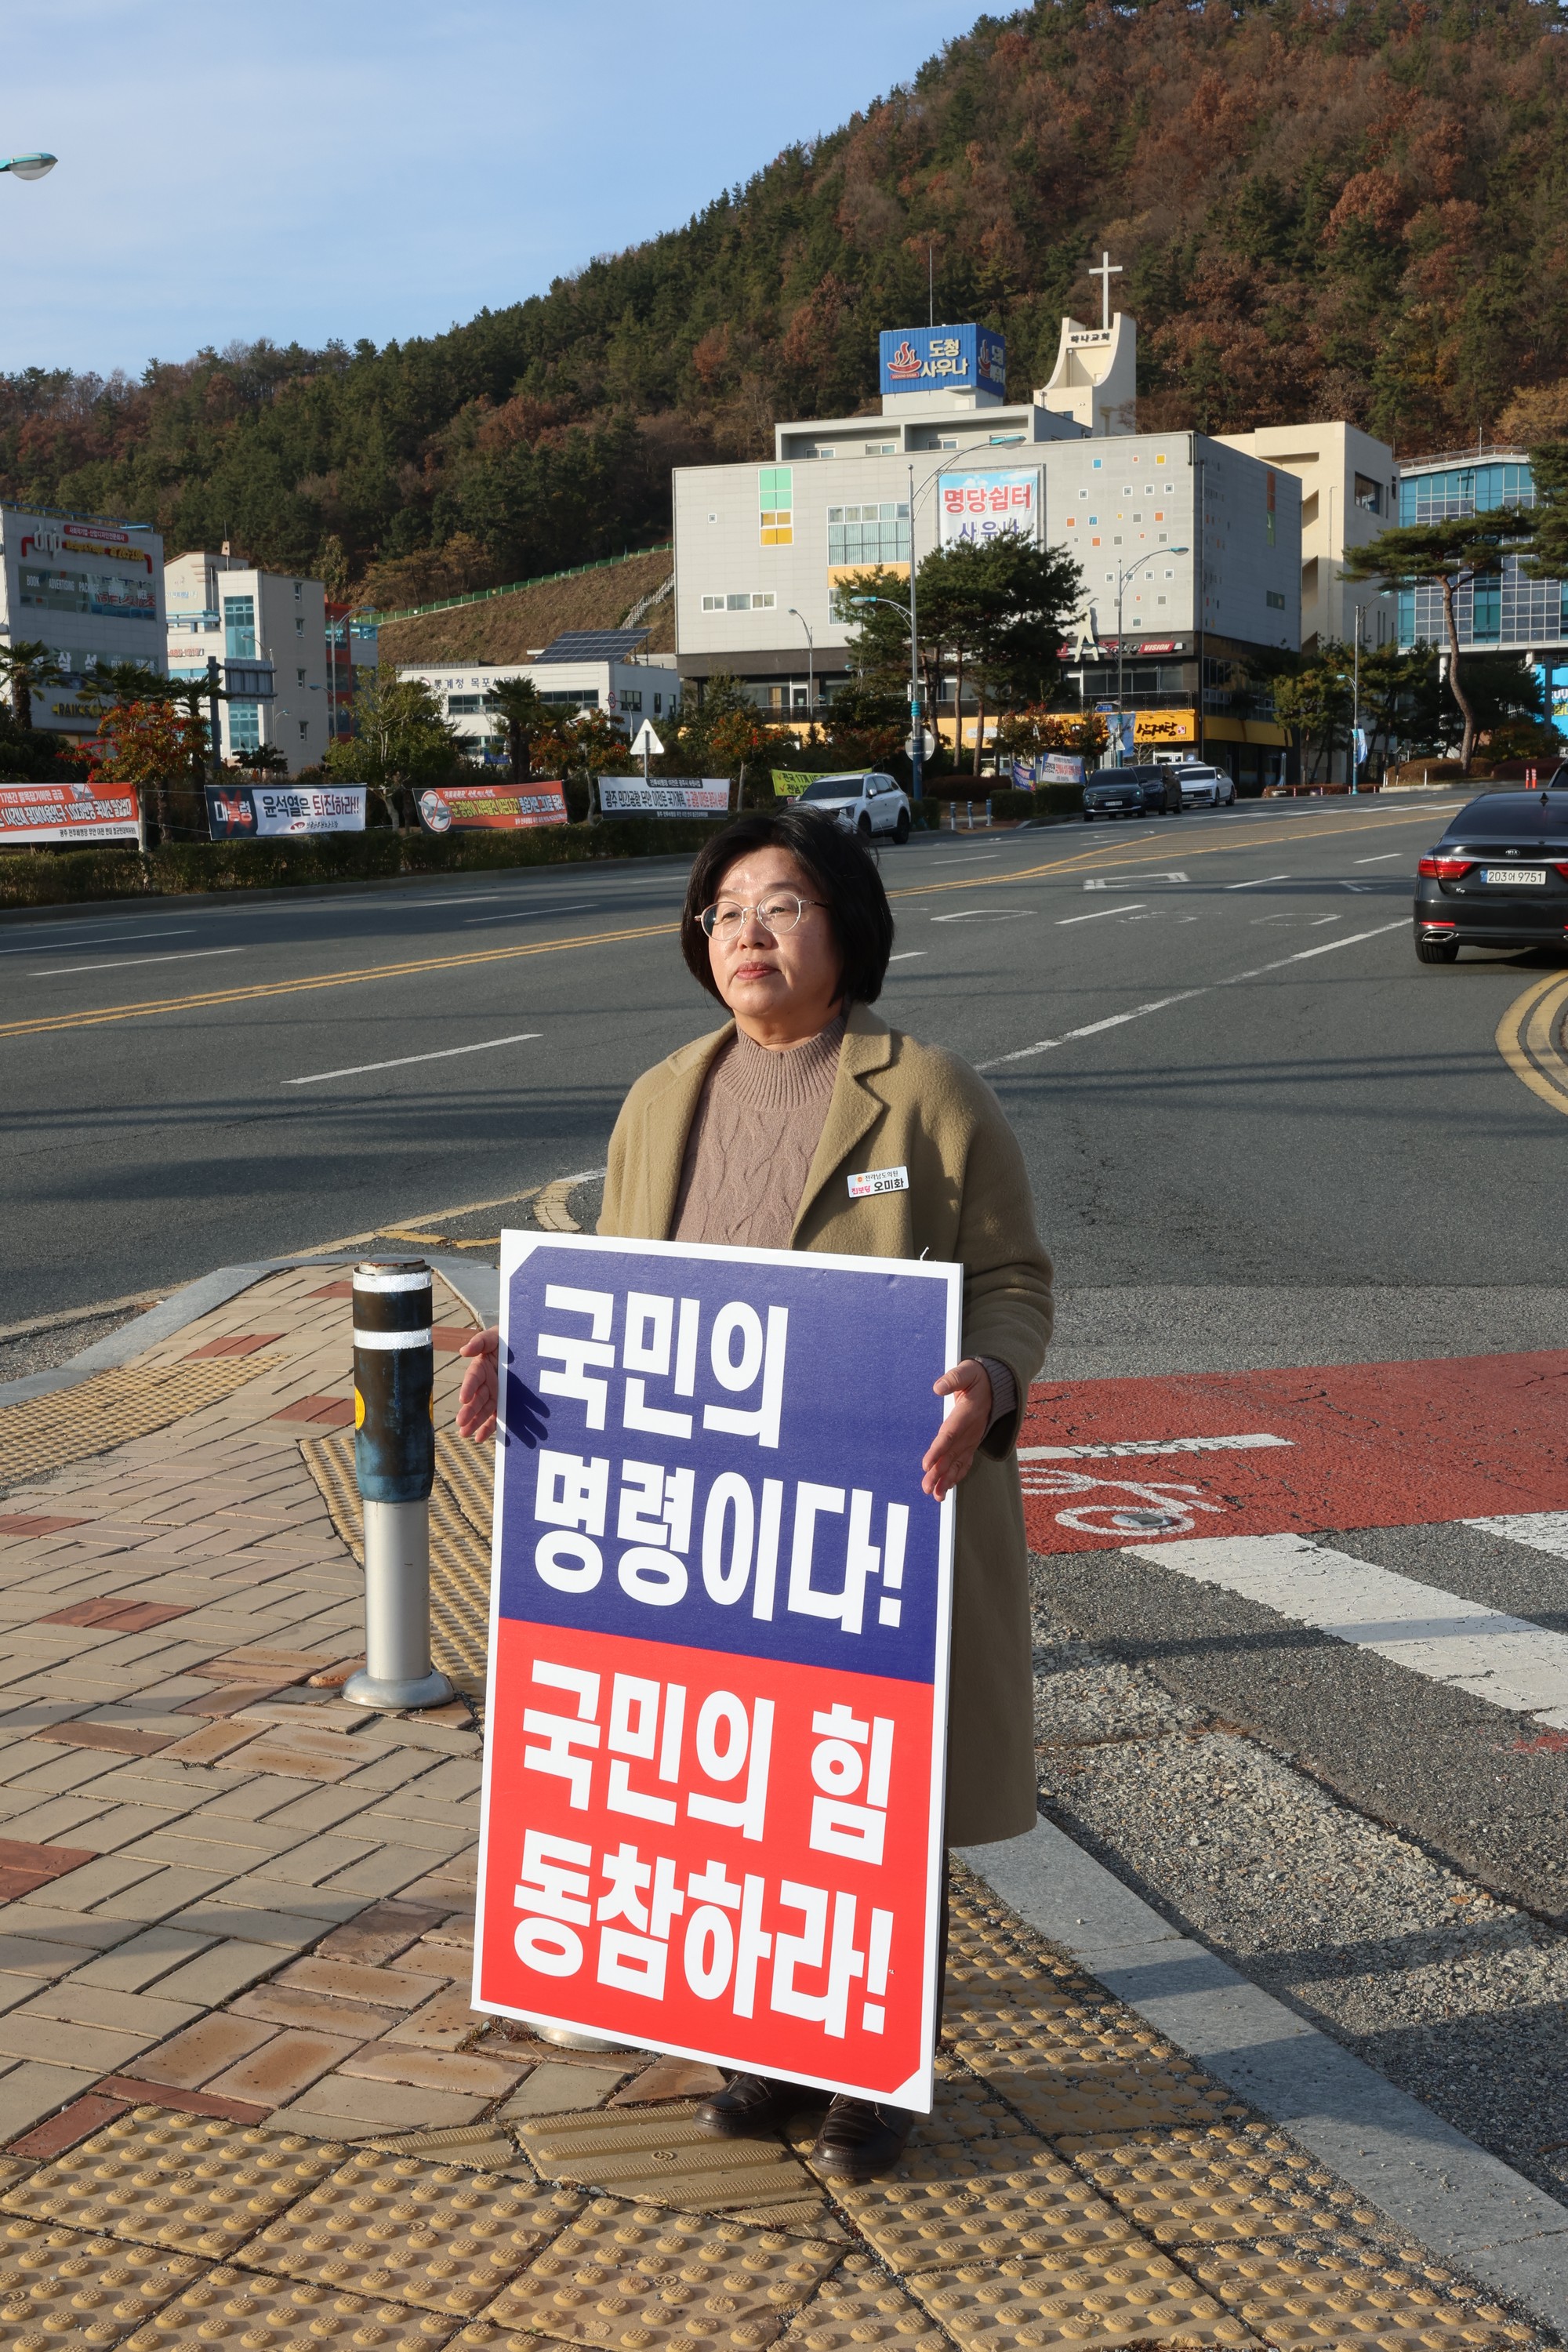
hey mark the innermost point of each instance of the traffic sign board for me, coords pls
(645, 743)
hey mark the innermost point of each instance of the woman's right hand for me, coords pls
(477, 1398)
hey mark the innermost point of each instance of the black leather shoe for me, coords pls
(753, 2105)
(860, 2140)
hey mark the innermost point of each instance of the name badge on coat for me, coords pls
(878, 1180)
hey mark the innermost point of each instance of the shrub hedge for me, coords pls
(63, 878)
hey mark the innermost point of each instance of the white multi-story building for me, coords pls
(1348, 494)
(267, 631)
(582, 669)
(91, 591)
(1190, 550)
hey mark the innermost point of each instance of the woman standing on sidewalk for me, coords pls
(748, 1138)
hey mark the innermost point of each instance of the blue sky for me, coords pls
(354, 169)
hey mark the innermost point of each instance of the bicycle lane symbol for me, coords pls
(1159, 1506)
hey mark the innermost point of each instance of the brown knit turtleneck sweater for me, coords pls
(750, 1148)
(752, 1141)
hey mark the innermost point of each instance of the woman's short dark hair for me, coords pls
(842, 871)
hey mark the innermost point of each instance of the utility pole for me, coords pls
(1203, 594)
(1356, 705)
(213, 692)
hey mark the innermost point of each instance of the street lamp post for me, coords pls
(1122, 579)
(28, 167)
(810, 666)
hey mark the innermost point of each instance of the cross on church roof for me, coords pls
(1106, 270)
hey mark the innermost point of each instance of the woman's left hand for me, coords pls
(950, 1457)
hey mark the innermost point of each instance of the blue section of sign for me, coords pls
(938, 359)
(725, 1452)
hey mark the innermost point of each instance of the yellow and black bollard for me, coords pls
(394, 1467)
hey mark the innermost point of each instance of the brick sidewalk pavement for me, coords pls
(243, 2098)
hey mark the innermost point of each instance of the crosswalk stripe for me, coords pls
(1505, 1660)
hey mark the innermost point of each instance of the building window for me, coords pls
(460, 706)
(658, 704)
(298, 677)
(304, 728)
(298, 624)
(298, 591)
(240, 628)
(1276, 601)
(243, 717)
(747, 601)
(869, 534)
(1369, 494)
(775, 503)
(631, 701)
(1487, 609)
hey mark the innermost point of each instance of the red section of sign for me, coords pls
(1365, 1445)
(709, 1853)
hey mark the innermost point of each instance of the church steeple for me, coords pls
(1095, 381)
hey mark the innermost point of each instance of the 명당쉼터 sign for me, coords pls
(712, 1809)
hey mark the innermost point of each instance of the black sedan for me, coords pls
(1498, 877)
(1151, 790)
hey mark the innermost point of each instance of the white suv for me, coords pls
(1204, 787)
(864, 803)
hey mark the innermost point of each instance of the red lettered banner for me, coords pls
(718, 1672)
(66, 815)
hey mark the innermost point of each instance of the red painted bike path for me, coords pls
(1392, 1445)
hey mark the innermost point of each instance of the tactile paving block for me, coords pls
(238, 2311)
(1322, 2297)
(859, 2305)
(61, 2292)
(167, 2179)
(995, 2306)
(435, 2235)
(1203, 2188)
(1046, 2209)
(627, 2277)
(109, 1410)
(487, 2147)
(664, 2155)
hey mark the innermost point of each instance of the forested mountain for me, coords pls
(1325, 208)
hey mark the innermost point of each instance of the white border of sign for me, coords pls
(917, 2091)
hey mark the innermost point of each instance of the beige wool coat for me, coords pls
(899, 1104)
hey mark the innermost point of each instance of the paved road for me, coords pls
(1309, 1693)
(1305, 1108)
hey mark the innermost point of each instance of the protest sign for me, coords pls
(258, 812)
(713, 1811)
(670, 796)
(507, 808)
(790, 783)
(66, 815)
(1060, 768)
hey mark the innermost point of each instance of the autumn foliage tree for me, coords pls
(147, 744)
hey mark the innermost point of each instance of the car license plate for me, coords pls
(1535, 873)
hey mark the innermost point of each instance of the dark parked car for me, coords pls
(1498, 877)
(1151, 790)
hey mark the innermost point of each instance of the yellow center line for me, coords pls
(1528, 1037)
(1075, 862)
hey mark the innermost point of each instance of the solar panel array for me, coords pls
(593, 645)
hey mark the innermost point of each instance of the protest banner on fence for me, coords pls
(790, 783)
(251, 812)
(669, 797)
(1060, 768)
(66, 815)
(505, 808)
(711, 1821)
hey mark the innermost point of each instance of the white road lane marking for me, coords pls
(964, 857)
(359, 1069)
(905, 954)
(1122, 1446)
(1318, 920)
(1257, 881)
(1440, 1636)
(1185, 995)
(534, 906)
(110, 937)
(985, 915)
(1099, 882)
(1382, 858)
(121, 963)
(1542, 1530)
(1128, 907)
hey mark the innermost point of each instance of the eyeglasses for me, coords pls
(777, 913)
